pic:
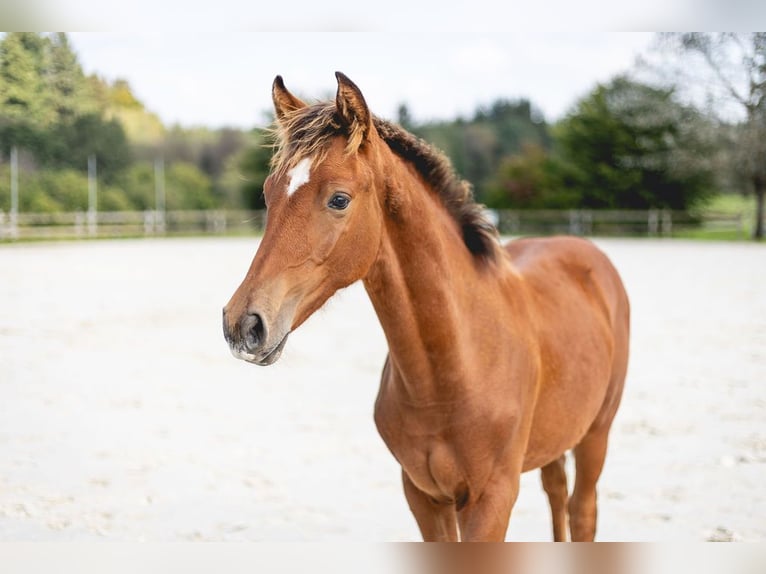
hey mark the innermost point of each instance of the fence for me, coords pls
(652, 222)
(85, 224)
(89, 224)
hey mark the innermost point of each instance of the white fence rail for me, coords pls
(91, 224)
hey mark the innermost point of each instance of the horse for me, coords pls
(500, 359)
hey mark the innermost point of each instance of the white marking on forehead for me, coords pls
(299, 175)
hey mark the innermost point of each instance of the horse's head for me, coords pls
(324, 220)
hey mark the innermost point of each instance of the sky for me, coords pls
(221, 79)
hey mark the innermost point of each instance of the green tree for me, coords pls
(23, 90)
(254, 167)
(478, 146)
(67, 188)
(404, 117)
(533, 179)
(91, 135)
(630, 145)
(143, 128)
(23, 111)
(69, 90)
(138, 185)
(187, 187)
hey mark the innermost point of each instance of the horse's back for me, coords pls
(569, 266)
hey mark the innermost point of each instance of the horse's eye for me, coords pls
(339, 201)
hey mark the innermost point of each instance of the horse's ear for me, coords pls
(284, 101)
(352, 109)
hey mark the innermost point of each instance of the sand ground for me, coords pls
(124, 417)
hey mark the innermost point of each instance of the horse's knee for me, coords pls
(485, 518)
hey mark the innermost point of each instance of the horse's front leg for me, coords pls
(485, 516)
(437, 521)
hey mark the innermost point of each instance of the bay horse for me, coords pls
(500, 359)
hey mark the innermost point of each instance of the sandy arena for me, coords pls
(124, 417)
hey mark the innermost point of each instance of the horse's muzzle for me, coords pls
(248, 340)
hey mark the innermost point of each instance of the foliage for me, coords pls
(57, 116)
(70, 93)
(477, 147)
(630, 145)
(46, 190)
(624, 145)
(91, 135)
(23, 85)
(254, 166)
(138, 185)
(187, 187)
(533, 179)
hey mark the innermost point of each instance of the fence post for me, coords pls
(508, 222)
(575, 222)
(159, 194)
(587, 221)
(215, 221)
(667, 222)
(149, 223)
(79, 223)
(14, 213)
(653, 223)
(92, 199)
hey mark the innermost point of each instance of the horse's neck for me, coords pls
(422, 286)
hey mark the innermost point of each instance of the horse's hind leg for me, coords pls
(554, 478)
(589, 461)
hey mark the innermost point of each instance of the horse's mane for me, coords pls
(306, 132)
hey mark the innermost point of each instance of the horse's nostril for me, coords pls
(253, 330)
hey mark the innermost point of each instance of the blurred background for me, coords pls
(593, 133)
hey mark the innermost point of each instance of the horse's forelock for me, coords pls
(307, 132)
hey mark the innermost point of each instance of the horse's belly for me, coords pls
(564, 413)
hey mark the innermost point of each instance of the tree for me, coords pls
(478, 146)
(533, 179)
(138, 185)
(634, 146)
(23, 112)
(213, 156)
(187, 187)
(91, 135)
(69, 90)
(255, 166)
(23, 91)
(737, 63)
(404, 117)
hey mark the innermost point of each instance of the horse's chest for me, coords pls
(438, 451)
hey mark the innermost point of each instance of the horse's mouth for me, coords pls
(274, 354)
(262, 360)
